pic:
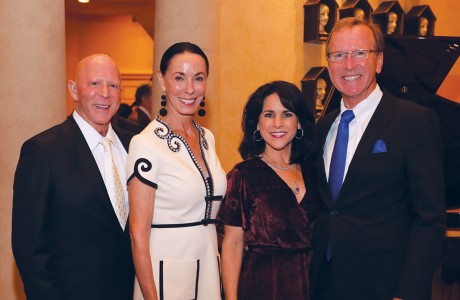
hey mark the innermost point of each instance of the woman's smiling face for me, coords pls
(184, 83)
(277, 124)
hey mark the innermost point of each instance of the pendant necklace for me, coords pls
(295, 188)
(271, 163)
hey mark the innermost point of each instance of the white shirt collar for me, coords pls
(91, 135)
(365, 109)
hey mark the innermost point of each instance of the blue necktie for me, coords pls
(338, 159)
(339, 154)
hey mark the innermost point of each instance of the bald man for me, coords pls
(70, 239)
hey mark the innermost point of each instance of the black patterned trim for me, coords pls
(209, 201)
(197, 278)
(169, 136)
(174, 145)
(161, 281)
(180, 225)
(145, 167)
(214, 198)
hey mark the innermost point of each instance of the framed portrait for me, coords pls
(316, 89)
(420, 21)
(356, 8)
(389, 16)
(319, 18)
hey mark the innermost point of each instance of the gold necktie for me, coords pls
(113, 183)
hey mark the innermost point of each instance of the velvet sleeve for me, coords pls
(234, 209)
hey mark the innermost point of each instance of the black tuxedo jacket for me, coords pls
(66, 238)
(387, 225)
(142, 118)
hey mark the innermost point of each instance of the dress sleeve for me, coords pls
(143, 160)
(235, 208)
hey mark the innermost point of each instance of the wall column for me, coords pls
(32, 88)
(188, 21)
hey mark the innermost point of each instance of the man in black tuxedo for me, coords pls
(70, 238)
(142, 106)
(380, 229)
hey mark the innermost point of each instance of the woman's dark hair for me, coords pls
(292, 99)
(180, 48)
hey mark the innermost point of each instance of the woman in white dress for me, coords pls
(176, 184)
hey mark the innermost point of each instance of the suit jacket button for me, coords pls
(333, 212)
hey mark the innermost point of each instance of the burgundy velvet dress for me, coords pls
(277, 231)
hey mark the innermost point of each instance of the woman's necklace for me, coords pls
(295, 187)
(272, 163)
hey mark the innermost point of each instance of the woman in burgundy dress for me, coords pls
(269, 206)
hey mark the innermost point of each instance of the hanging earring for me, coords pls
(163, 111)
(257, 136)
(202, 111)
(299, 134)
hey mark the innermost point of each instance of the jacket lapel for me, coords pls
(374, 129)
(124, 136)
(323, 128)
(77, 148)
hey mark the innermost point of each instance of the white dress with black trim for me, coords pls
(183, 240)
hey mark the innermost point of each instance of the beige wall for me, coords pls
(262, 40)
(256, 41)
(32, 71)
(174, 23)
(117, 36)
(259, 41)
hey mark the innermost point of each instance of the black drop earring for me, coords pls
(163, 111)
(202, 111)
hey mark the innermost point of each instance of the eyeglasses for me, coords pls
(356, 55)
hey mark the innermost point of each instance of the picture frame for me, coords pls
(420, 21)
(389, 16)
(314, 29)
(316, 88)
(356, 8)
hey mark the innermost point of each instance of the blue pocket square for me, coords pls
(379, 147)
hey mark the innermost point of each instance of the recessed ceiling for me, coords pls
(142, 11)
(108, 7)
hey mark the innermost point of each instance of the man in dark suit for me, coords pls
(142, 106)
(70, 238)
(380, 230)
